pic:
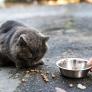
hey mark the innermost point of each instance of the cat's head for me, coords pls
(31, 47)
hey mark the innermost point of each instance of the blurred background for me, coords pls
(8, 3)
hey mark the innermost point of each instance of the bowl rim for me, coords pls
(57, 63)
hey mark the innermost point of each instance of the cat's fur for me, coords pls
(21, 45)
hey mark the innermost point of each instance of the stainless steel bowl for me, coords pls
(73, 67)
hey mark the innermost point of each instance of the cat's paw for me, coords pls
(38, 63)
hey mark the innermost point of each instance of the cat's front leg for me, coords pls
(40, 62)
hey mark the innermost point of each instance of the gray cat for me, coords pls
(21, 45)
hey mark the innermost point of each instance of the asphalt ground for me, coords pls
(69, 28)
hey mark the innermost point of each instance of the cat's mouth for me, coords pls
(27, 58)
(24, 58)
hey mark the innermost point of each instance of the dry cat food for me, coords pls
(45, 78)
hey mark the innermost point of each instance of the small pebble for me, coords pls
(80, 86)
(23, 80)
(53, 76)
(70, 85)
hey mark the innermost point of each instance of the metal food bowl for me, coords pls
(73, 67)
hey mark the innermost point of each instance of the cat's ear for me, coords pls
(22, 40)
(45, 39)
